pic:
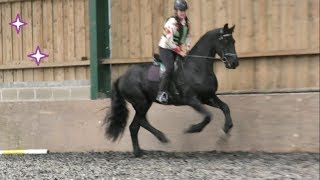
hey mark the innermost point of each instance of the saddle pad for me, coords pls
(154, 73)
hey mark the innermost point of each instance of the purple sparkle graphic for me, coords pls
(18, 23)
(38, 56)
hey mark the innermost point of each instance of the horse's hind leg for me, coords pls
(216, 102)
(134, 129)
(140, 120)
(196, 104)
(160, 135)
(141, 107)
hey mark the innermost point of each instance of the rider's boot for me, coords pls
(163, 95)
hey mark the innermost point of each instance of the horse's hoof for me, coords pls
(227, 128)
(138, 153)
(194, 129)
(162, 138)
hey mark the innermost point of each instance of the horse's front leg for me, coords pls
(196, 104)
(216, 102)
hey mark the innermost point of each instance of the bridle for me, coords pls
(224, 58)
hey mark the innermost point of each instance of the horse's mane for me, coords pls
(206, 36)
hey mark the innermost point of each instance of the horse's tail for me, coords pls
(116, 119)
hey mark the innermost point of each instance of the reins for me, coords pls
(205, 57)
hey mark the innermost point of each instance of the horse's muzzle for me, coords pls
(231, 63)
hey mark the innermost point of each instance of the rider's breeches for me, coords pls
(168, 57)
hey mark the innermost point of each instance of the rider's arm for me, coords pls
(188, 41)
(170, 29)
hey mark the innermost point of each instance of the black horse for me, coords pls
(194, 84)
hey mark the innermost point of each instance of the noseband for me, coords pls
(225, 55)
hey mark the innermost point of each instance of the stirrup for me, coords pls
(162, 97)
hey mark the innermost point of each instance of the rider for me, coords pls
(175, 33)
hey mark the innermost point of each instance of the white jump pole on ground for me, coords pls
(26, 151)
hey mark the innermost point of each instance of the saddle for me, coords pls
(157, 69)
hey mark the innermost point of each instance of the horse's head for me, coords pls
(224, 46)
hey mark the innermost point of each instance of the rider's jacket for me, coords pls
(175, 33)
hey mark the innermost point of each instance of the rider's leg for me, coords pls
(167, 57)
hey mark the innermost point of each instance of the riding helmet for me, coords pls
(181, 5)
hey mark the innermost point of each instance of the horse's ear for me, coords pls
(225, 28)
(232, 28)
